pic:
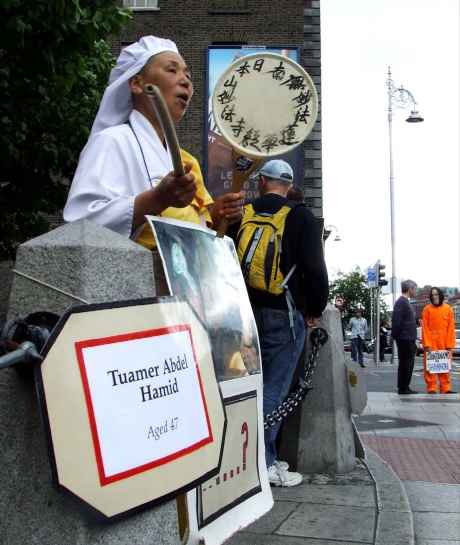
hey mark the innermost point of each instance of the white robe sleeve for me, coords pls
(102, 189)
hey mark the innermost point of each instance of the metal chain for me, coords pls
(318, 338)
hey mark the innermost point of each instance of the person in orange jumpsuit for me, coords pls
(438, 333)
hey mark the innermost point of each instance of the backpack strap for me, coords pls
(289, 299)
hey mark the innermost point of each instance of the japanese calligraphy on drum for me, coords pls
(265, 104)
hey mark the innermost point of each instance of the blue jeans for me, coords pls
(280, 354)
(357, 349)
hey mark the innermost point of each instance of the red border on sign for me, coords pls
(79, 346)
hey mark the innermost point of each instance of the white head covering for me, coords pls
(116, 103)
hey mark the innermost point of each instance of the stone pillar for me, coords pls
(326, 439)
(84, 261)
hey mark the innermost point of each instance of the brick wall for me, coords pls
(311, 56)
(196, 24)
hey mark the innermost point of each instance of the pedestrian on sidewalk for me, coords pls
(358, 328)
(287, 286)
(438, 333)
(404, 332)
(384, 329)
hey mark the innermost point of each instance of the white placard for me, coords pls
(438, 361)
(144, 398)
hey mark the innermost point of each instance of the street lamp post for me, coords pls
(401, 98)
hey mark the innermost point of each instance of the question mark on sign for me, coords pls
(245, 431)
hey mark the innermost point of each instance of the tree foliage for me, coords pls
(352, 287)
(54, 65)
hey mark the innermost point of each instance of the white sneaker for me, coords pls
(283, 465)
(281, 477)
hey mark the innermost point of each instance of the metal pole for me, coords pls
(371, 295)
(392, 200)
(377, 326)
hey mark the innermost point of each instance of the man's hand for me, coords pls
(176, 191)
(311, 322)
(228, 207)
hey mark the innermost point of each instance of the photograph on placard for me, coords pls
(205, 269)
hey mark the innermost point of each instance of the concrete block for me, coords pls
(77, 262)
(85, 262)
(326, 441)
(6, 277)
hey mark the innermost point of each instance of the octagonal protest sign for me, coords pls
(131, 403)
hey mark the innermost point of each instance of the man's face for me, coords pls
(412, 292)
(171, 75)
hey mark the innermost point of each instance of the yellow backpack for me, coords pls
(259, 246)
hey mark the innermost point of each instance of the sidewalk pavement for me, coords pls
(419, 437)
(366, 506)
(405, 492)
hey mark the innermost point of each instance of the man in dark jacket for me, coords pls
(404, 332)
(281, 328)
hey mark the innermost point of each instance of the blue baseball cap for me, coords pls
(277, 169)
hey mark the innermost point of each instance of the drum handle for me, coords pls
(239, 177)
(169, 131)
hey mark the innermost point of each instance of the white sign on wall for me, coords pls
(133, 384)
(438, 361)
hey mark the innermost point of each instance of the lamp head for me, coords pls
(414, 117)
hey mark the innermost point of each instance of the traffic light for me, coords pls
(380, 274)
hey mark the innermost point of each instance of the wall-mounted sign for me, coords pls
(134, 410)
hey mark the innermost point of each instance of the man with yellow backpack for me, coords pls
(279, 246)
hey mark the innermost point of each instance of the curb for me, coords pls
(395, 524)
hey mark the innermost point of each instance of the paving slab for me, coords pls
(394, 529)
(432, 432)
(339, 523)
(451, 433)
(438, 542)
(391, 497)
(344, 494)
(430, 525)
(242, 538)
(273, 519)
(380, 470)
(435, 498)
(415, 459)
